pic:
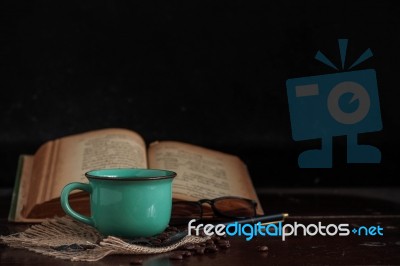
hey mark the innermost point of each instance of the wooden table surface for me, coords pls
(356, 207)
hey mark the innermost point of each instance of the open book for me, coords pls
(201, 173)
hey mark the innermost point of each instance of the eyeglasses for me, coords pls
(228, 207)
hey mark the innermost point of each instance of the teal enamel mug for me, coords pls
(125, 202)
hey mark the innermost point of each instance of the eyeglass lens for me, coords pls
(230, 207)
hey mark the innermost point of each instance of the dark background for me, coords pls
(211, 73)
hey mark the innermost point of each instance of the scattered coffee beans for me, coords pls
(262, 248)
(212, 245)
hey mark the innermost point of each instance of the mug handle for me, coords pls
(67, 208)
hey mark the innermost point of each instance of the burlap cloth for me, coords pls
(68, 239)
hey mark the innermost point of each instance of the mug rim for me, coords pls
(168, 174)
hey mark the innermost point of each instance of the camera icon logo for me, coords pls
(339, 104)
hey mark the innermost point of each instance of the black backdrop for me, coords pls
(211, 73)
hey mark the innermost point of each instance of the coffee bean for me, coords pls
(136, 262)
(200, 250)
(162, 237)
(189, 246)
(211, 246)
(209, 241)
(186, 253)
(262, 248)
(226, 246)
(222, 242)
(211, 249)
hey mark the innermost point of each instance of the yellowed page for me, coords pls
(24, 188)
(106, 148)
(65, 160)
(202, 173)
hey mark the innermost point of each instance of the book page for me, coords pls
(107, 148)
(35, 177)
(21, 192)
(202, 173)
